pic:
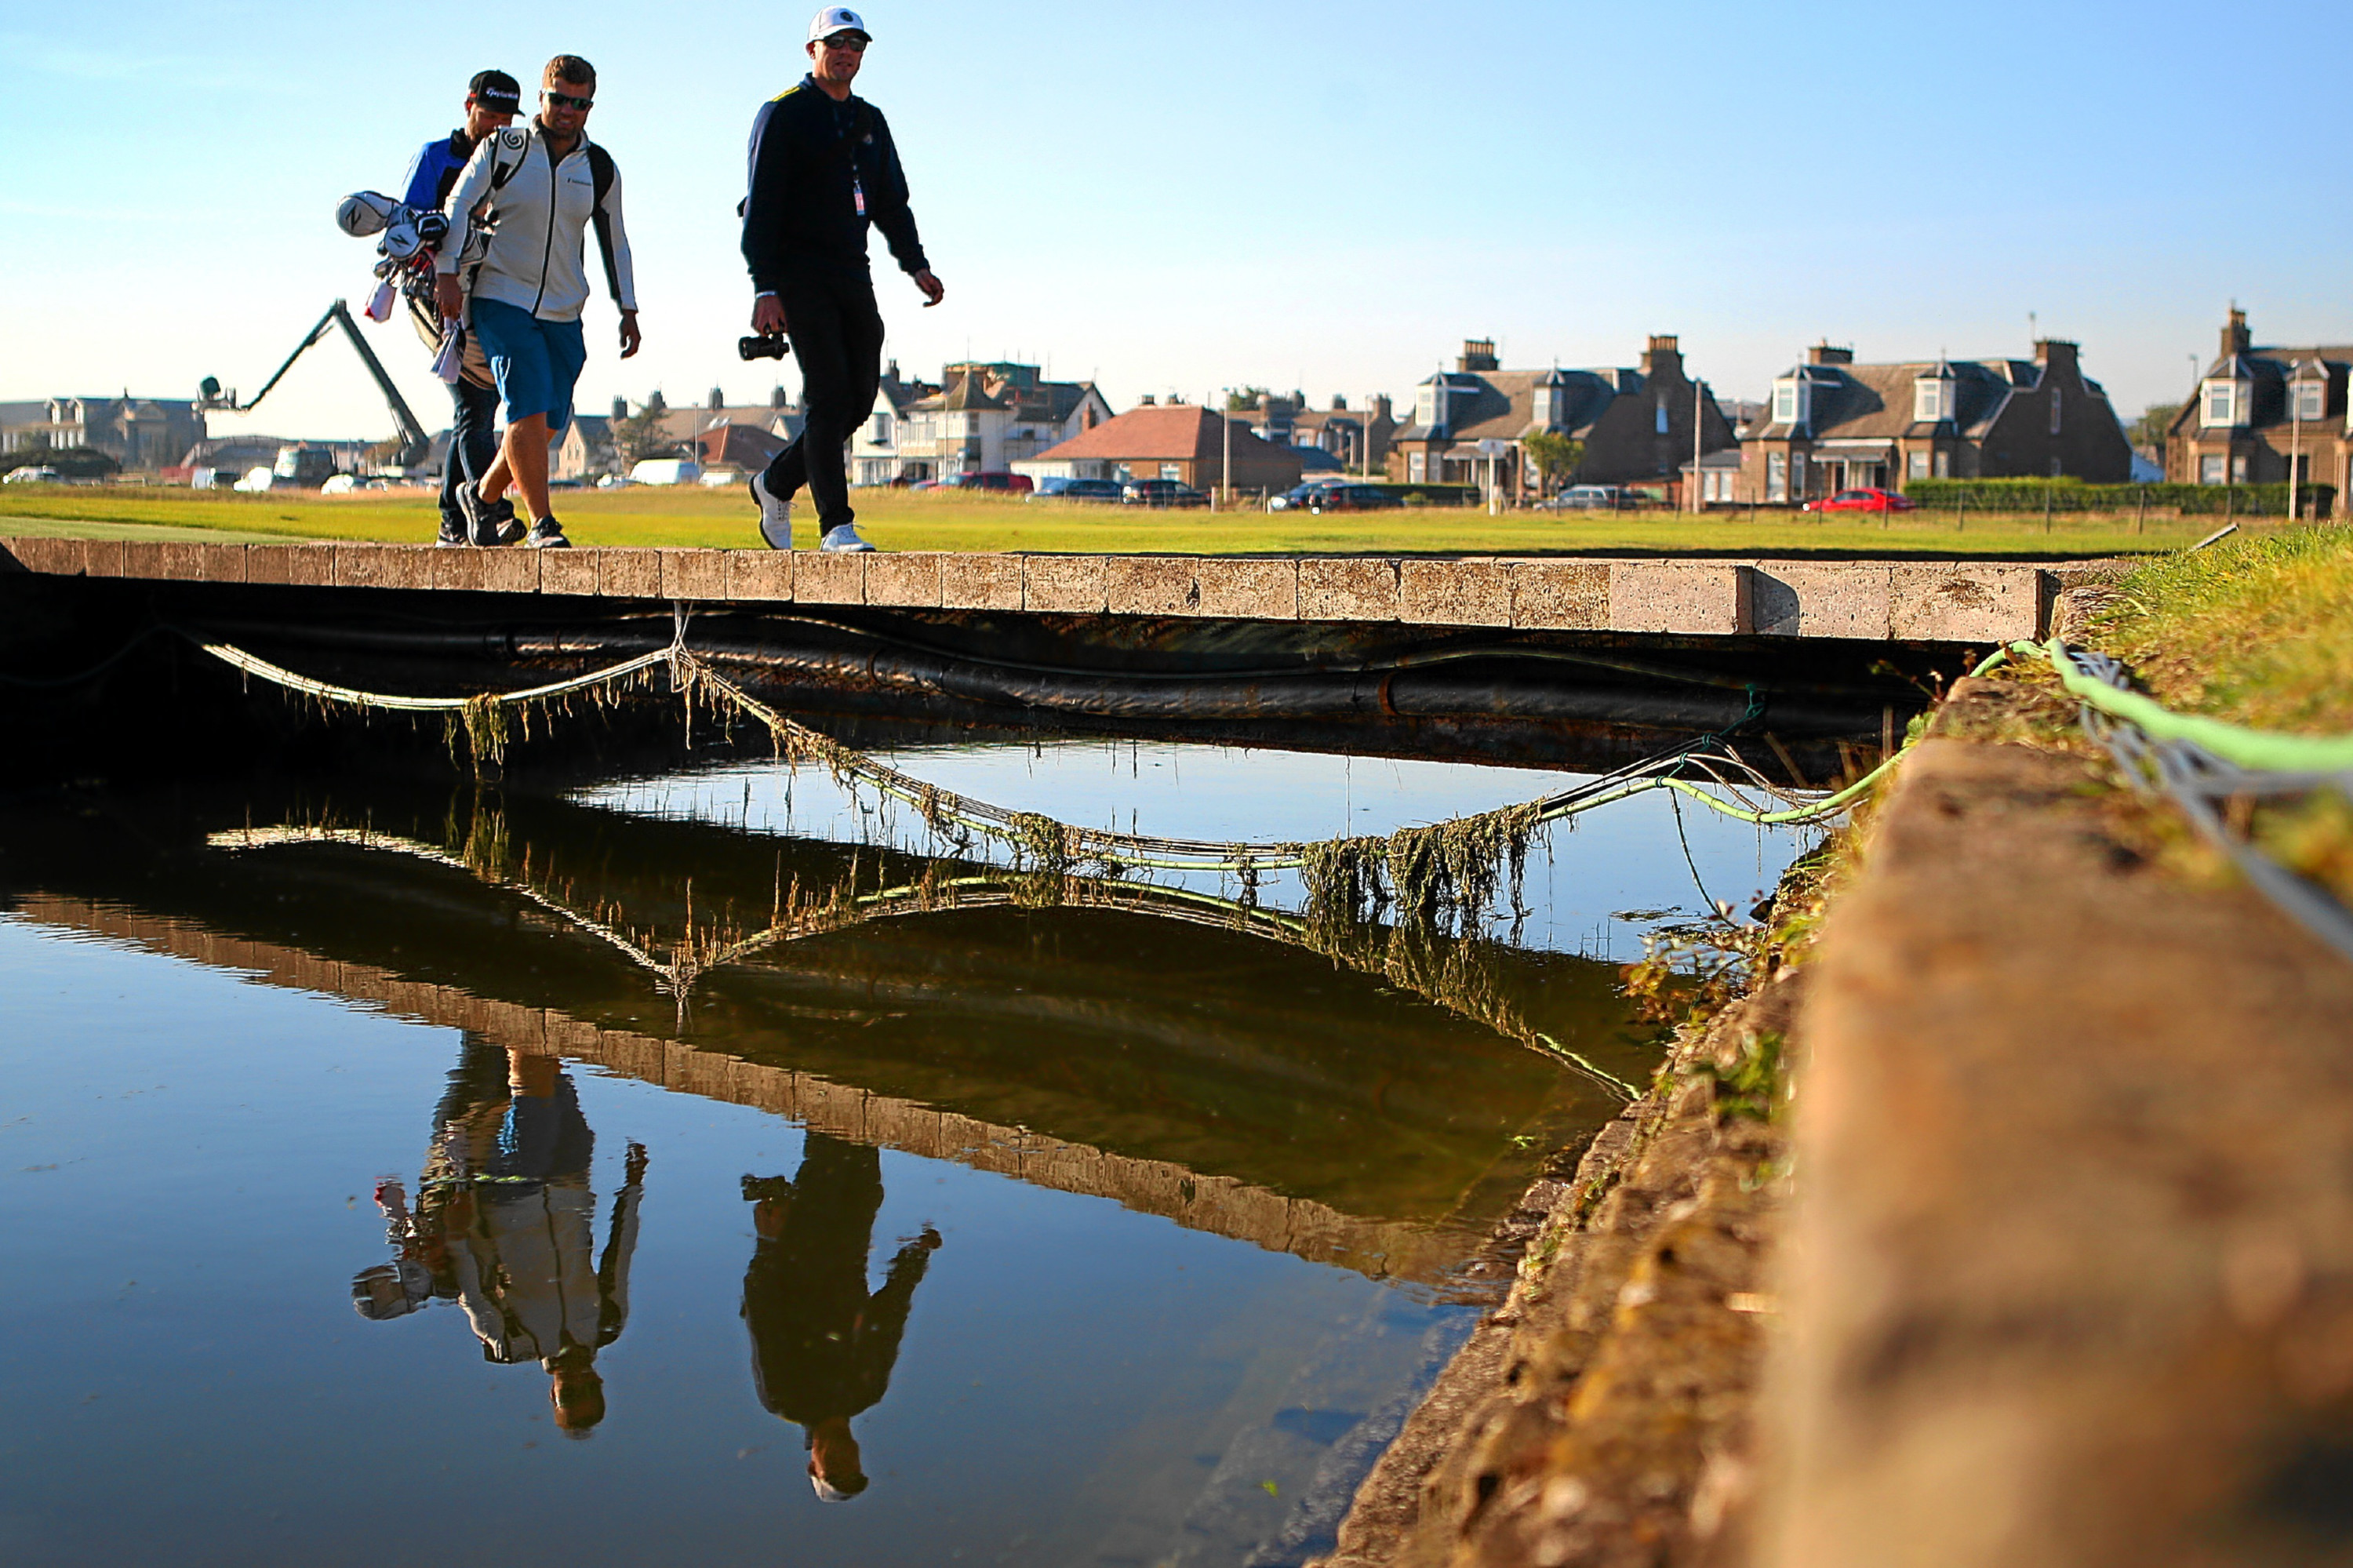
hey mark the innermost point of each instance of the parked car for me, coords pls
(1331, 495)
(1107, 491)
(1862, 501)
(1588, 498)
(32, 475)
(1016, 483)
(1160, 493)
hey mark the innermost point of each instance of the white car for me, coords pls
(255, 481)
(666, 470)
(33, 476)
(341, 484)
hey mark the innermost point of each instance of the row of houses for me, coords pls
(2257, 415)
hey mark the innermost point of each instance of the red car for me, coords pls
(1018, 483)
(1862, 500)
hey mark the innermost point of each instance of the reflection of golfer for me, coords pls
(822, 1347)
(506, 1227)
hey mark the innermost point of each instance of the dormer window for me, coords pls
(1792, 401)
(2310, 401)
(1430, 404)
(1933, 398)
(2223, 404)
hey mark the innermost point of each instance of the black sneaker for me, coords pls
(489, 524)
(452, 535)
(547, 534)
(505, 526)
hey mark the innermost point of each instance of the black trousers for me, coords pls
(837, 336)
(473, 446)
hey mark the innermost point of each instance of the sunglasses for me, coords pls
(565, 100)
(849, 43)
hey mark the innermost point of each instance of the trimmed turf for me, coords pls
(2257, 631)
(898, 520)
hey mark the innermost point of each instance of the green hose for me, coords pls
(2260, 750)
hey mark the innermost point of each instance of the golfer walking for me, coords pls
(540, 189)
(823, 167)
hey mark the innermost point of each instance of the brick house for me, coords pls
(1835, 425)
(1338, 431)
(141, 433)
(1178, 440)
(1636, 423)
(2257, 409)
(984, 418)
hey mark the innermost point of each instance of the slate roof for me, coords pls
(1501, 404)
(1185, 432)
(2269, 369)
(1874, 402)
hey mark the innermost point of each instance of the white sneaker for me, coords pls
(775, 516)
(844, 540)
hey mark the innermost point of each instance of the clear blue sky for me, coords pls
(1187, 196)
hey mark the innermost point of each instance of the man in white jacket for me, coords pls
(545, 185)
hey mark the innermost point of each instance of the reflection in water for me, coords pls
(1163, 1074)
(822, 1347)
(504, 1225)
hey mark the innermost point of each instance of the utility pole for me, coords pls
(1226, 424)
(1699, 401)
(2294, 448)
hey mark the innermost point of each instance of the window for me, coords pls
(1932, 399)
(2210, 470)
(2221, 404)
(1172, 471)
(1915, 466)
(2311, 400)
(1430, 404)
(2054, 412)
(1944, 465)
(1417, 468)
(1777, 474)
(1785, 402)
(2238, 469)
(881, 429)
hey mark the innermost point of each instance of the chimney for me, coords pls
(1823, 354)
(891, 374)
(620, 407)
(776, 398)
(2056, 354)
(717, 398)
(1478, 354)
(1383, 409)
(1339, 404)
(2235, 339)
(1147, 401)
(1663, 359)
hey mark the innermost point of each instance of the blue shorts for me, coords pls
(536, 362)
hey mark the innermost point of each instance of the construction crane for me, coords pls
(414, 443)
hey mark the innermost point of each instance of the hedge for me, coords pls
(2075, 496)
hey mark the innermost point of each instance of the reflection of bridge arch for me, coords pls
(1445, 1257)
(1445, 972)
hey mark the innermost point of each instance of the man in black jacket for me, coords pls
(822, 1343)
(822, 168)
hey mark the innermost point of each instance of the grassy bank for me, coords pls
(897, 520)
(2259, 630)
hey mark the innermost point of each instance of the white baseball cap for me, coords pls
(836, 19)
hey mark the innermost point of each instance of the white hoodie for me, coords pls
(533, 259)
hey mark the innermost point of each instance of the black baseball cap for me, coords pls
(496, 91)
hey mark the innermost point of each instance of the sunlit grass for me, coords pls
(898, 520)
(2255, 630)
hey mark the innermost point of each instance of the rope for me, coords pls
(239, 659)
(2196, 761)
(1058, 845)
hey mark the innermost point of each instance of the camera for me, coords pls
(773, 346)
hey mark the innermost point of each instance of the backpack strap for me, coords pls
(600, 175)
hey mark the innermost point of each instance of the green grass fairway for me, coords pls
(896, 520)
